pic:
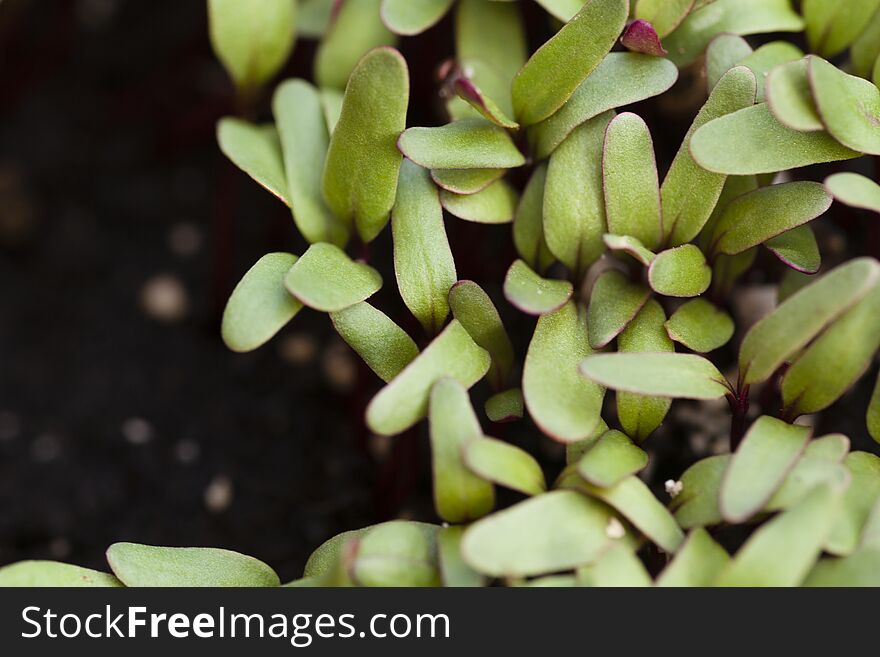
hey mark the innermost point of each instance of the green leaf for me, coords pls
(473, 308)
(325, 559)
(697, 503)
(733, 16)
(465, 181)
(574, 206)
(331, 102)
(147, 565)
(505, 465)
(547, 533)
(614, 302)
(866, 48)
(326, 279)
(612, 459)
(505, 406)
(700, 326)
(562, 10)
(797, 248)
(552, 74)
(304, 141)
(252, 42)
(574, 451)
(689, 192)
(782, 551)
(859, 569)
(758, 216)
(565, 406)
(849, 106)
(454, 571)
(768, 57)
(790, 99)
(617, 567)
(697, 563)
(528, 223)
(483, 103)
(811, 470)
(459, 495)
(496, 204)
(34, 574)
(411, 17)
(629, 245)
(858, 502)
(622, 78)
(423, 262)
(832, 26)
(255, 150)
(680, 272)
(395, 553)
(635, 502)
(404, 401)
(873, 416)
(751, 141)
(684, 376)
(360, 175)
(640, 415)
(632, 192)
(466, 144)
(723, 53)
(532, 294)
(355, 30)
(664, 15)
(854, 190)
(798, 320)
(383, 345)
(763, 459)
(259, 306)
(313, 18)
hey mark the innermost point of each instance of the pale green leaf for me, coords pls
(859, 500)
(700, 326)
(532, 294)
(873, 415)
(680, 272)
(453, 570)
(790, 99)
(574, 451)
(562, 10)
(866, 48)
(614, 302)
(404, 401)
(410, 17)
(629, 245)
(146, 565)
(260, 305)
(383, 345)
(505, 465)
(811, 470)
(466, 144)
(859, 569)
(849, 106)
(528, 223)
(396, 553)
(496, 204)
(617, 567)
(664, 15)
(326, 279)
(564, 405)
(797, 248)
(832, 25)
(505, 406)
(331, 102)
(360, 175)
(41, 574)
(697, 563)
(465, 181)
(768, 57)
(483, 103)
(611, 459)
(723, 53)
(697, 503)
(854, 190)
(423, 263)
(256, 150)
(313, 17)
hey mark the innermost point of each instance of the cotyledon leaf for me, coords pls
(395, 553)
(147, 565)
(302, 129)
(811, 470)
(804, 315)
(873, 416)
(700, 326)
(619, 566)
(782, 551)
(483, 103)
(629, 245)
(552, 74)
(355, 29)
(640, 415)
(331, 102)
(313, 17)
(260, 305)
(574, 206)
(465, 181)
(768, 57)
(697, 563)
(532, 294)
(505, 465)
(360, 174)
(614, 302)
(505, 406)
(383, 345)
(423, 263)
(629, 178)
(564, 405)
(611, 459)
(410, 17)
(622, 78)
(664, 15)
(528, 223)
(751, 141)
(689, 192)
(256, 150)
(723, 53)
(859, 500)
(459, 494)
(741, 17)
(832, 26)
(854, 190)
(681, 271)
(466, 144)
(496, 204)
(696, 505)
(859, 569)
(758, 216)
(404, 401)
(760, 464)
(473, 308)
(790, 99)
(797, 248)
(562, 10)
(865, 50)
(849, 105)
(326, 279)
(546, 533)
(454, 571)
(684, 376)
(34, 574)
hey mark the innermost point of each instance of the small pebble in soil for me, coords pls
(614, 529)
(673, 487)
(137, 431)
(187, 451)
(10, 426)
(185, 239)
(339, 367)
(219, 493)
(164, 298)
(46, 447)
(298, 348)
